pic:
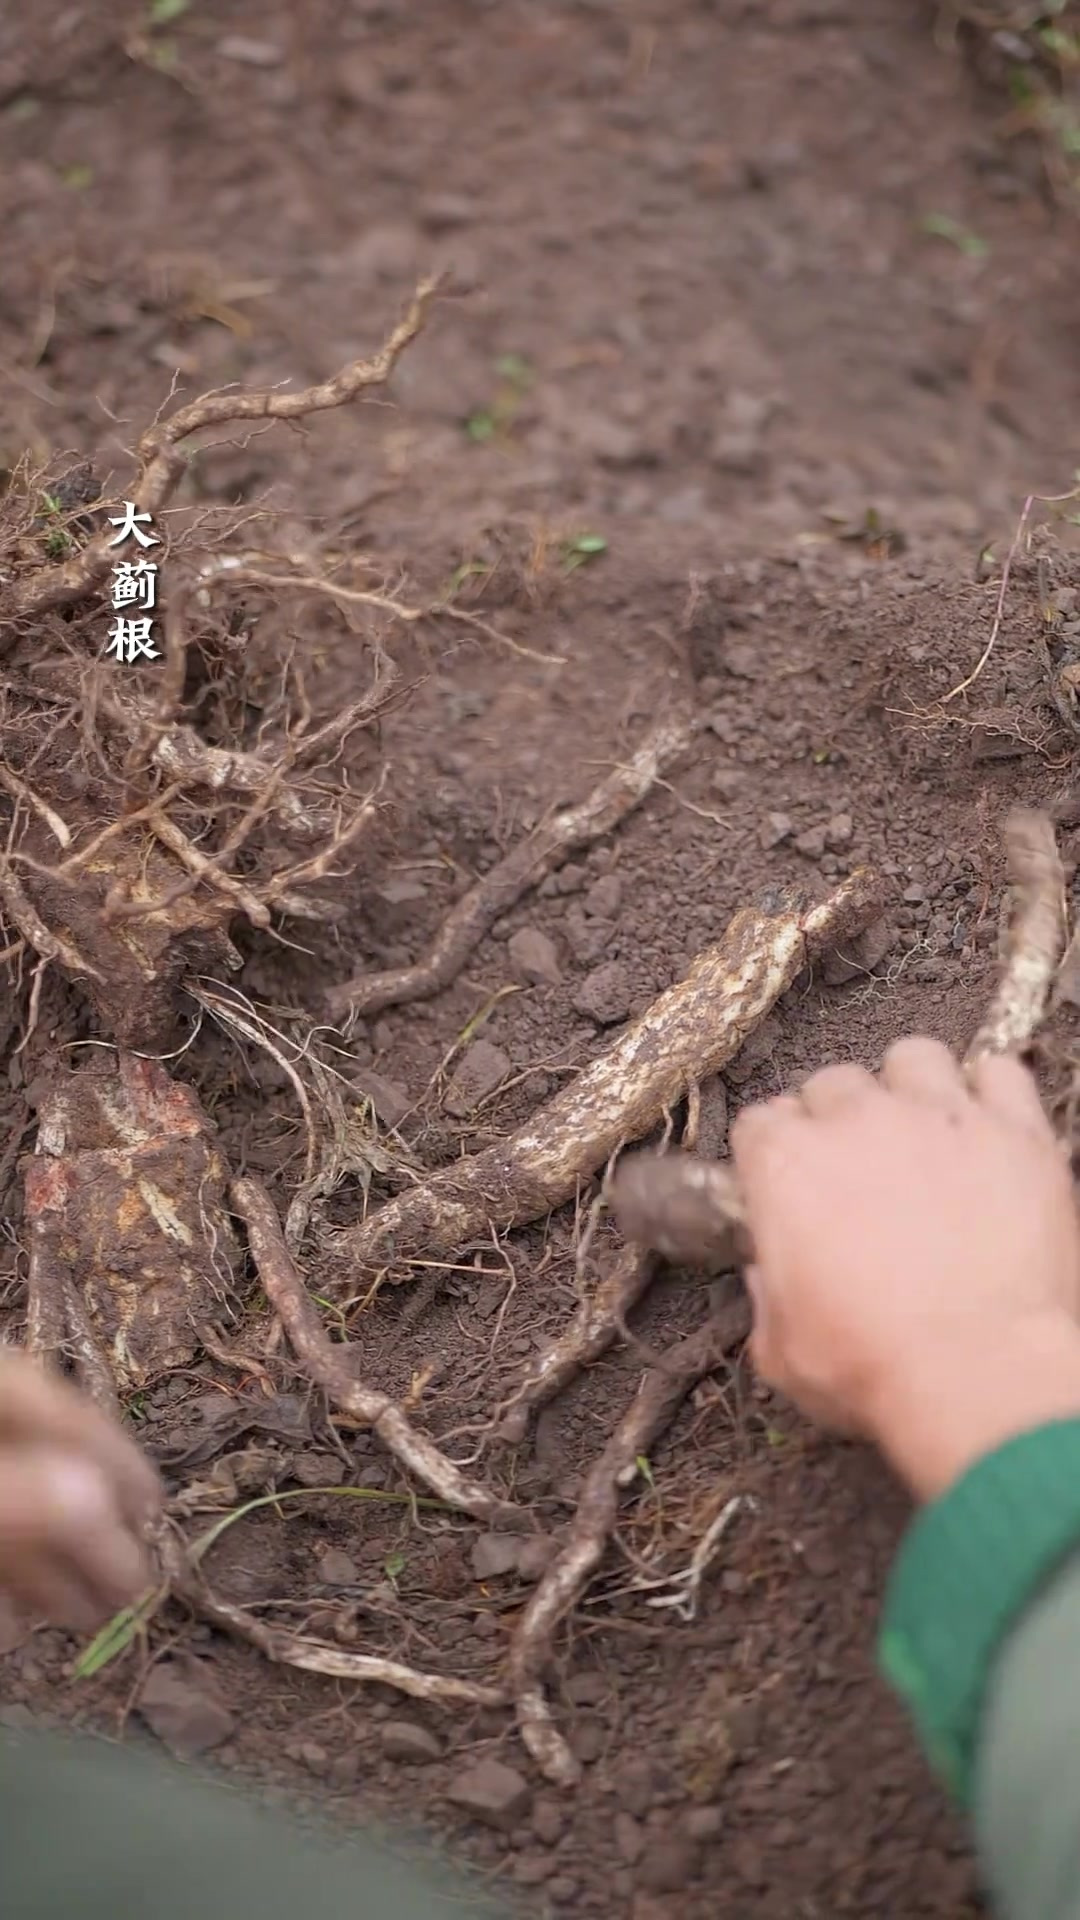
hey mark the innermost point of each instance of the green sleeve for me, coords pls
(981, 1639)
(1027, 1778)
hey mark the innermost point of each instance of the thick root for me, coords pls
(1036, 937)
(692, 1030)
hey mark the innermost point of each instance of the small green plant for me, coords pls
(57, 542)
(515, 377)
(124, 1627)
(78, 177)
(583, 548)
(644, 1467)
(394, 1567)
(942, 226)
(161, 12)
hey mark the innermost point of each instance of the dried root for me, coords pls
(162, 464)
(524, 867)
(193, 825)
(690, 1210)
(329, 1367)
(316, 1656)
(688, 1033)
(661, 1394)
(1036, 937)
(594, 1328)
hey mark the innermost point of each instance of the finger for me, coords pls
(46, 1590)
(757, 1131)
(1003, 1084)
(46, 1411)
(921, 1069)
(60, 1510)
(836, 1090)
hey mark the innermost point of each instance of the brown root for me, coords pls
(329, 1368)
(316, 1656)
(544, 849)
(689, 1032)
(594, 1328)
(130, 1248)
(659, 1397)
(162, 465)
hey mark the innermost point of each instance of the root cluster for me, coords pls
(140, 826)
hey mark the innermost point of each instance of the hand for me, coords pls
(75, 1498)
(917, 1275)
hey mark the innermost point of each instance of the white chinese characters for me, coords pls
(134, 584)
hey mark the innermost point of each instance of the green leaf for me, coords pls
(942, 226)
(515, 369)
(160, 12)
(480, 426)
(394, 1565)
(78, 178)
(645, 1469)
(117, 1635)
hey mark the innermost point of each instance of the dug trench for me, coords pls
(747, 1750)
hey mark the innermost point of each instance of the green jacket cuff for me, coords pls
(969, 1566)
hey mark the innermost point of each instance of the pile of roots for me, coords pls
(145, 816)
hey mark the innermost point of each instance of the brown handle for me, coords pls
(686, 1209)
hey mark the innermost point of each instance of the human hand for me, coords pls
(75, 1498)
(917, 1256)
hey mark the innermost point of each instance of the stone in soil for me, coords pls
(667, 1866)
(533, 957)
(180, 1703)
(604, 995)
(776, 828)
(481, 1069)
(493, 1793)
(495, 1554)
(335, 1569)
(604, 897)
(408, 1741)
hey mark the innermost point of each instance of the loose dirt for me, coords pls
(714, 406)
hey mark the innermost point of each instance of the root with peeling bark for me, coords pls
(691, 1211)
(544, 849)
(658, 1400)
(287, 1649)
(690, 1031)
(329, 1368)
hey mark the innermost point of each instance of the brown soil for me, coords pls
(797, 418)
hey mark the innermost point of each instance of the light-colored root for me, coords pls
(545, 849)
(690, 1210)
(593, 1329)
(329, 1368)
(1036, 938)
(691, 1031)
(162, 465)
(659, 1397)
(20, 910)
(315, 1656)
